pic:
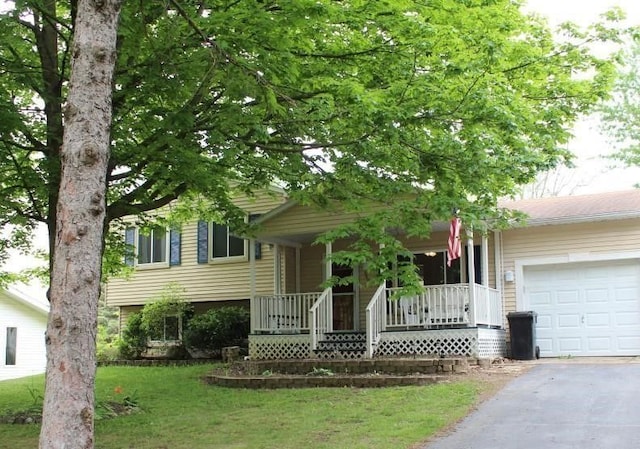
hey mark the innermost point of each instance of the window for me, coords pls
(171, 331)
(152, 246)
(217, 243)
(224, 244)
(12, 340)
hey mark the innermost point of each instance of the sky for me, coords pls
(592, 173)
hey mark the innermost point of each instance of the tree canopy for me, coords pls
(621, 114)
(422, 106)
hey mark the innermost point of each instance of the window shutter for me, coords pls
(258, 245)
(203, 242)
(129, 239)
(175, 246)
(258, 250)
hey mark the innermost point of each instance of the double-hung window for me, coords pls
(225, 245)
(152, 246)
(217, 243)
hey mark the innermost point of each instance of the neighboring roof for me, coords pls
(22, 298)
(580, 208)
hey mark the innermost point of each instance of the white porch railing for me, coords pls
(376, 318)
(284, 313)
(445, 305)
(488, 306)
(321, 317)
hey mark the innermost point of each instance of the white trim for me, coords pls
(22, 298)
(520, 264)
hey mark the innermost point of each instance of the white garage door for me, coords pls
(587, 308)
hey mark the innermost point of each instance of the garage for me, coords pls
(585, 308)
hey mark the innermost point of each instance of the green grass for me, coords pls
(181, 412)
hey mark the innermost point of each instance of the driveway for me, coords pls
(557, 405)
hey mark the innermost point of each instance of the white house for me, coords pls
(23, 321)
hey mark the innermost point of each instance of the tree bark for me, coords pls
(68, 412)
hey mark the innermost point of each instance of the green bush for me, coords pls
(158, 322)
(170, 303)
(217, 328)
(134, 339)
(108, 352)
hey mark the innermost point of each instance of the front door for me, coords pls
(343, 300)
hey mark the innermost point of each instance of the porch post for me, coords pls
(298, 269)
(471, 278)
(252, 285)
(485, 260)
(327, 274)
(327, 261)
(497, 259)
(277, 271)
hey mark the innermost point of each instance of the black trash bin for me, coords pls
(522, 330)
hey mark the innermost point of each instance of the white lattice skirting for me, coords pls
(279, 347)
(471, 342)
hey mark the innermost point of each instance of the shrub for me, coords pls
(108, 352)
(169, 304)
(217, 328)
(158, 321)
(134, 339)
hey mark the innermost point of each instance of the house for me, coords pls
(209, 264)
(23, 322)
(576, 263)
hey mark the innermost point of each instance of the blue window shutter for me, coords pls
(129, 239)
(252, 218)
(258, 250)
(175, 246)
(203, 242)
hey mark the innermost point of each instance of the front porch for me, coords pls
(445, 320)
(458, 313)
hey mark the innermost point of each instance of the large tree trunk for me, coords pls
(68, 414)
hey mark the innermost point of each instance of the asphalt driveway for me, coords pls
(557, 405)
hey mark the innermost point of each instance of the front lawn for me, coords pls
(179, 411)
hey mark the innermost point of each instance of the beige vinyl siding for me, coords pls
(562, 241)
(214, 281)
(307, 220)
(289, 273)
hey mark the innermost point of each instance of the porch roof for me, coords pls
(295, 224)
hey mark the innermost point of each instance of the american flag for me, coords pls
(454, 248)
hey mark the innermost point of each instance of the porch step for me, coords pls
(342, 345)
